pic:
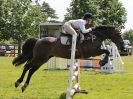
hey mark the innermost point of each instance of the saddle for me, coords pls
(66, 39)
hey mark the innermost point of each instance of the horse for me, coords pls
(36, 52)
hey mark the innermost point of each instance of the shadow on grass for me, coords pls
(63, 96)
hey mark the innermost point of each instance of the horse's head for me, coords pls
(112, 33)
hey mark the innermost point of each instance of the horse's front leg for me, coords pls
(105, 59)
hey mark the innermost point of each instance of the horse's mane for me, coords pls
(103, 27)
(112, 29)
(105, 31)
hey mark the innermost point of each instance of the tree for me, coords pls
(106, 12)
(20, 19)
(128, 35)
(4, 20)
(45, 8)
(41, 13)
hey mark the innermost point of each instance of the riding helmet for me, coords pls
(88, 15)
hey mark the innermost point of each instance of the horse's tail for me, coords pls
(27, 52)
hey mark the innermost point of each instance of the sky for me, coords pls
(128, 4)
(61, 5)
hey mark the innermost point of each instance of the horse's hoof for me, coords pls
(17, 84)
(102, 63)
(24, 87)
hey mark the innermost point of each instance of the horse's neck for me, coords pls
(100, 35)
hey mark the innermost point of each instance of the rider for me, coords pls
(71, 25)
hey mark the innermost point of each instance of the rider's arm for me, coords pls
(82, 28)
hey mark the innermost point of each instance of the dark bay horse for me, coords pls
(36, 52)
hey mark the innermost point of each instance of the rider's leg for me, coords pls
(69, 29)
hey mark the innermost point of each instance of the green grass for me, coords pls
(53, 84)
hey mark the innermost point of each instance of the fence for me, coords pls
(12, 52)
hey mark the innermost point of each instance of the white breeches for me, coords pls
(69, 29)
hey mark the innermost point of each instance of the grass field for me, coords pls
(53, 84)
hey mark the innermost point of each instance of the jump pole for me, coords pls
(74, 73)
(119, 64)
(115, 63)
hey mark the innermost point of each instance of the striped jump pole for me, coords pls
(92, 62)
(74, 74)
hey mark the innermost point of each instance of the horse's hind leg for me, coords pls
(31, 71)
(26, 68)
(35, 66)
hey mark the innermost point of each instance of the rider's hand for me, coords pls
(93, 28)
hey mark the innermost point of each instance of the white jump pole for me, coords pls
(68, 94)
(74, 73)
(117, 61)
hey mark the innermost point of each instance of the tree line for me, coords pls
(19, 19)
